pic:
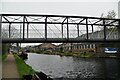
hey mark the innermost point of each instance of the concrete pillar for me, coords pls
(0, 45)
(118, 45)
(100, 50)
(0, 30)
(17, 44)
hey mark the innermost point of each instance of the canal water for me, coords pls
(56, 66)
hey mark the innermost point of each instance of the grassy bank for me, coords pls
(4, 56)
(76, 54)
(5, 48)
(0, 57)
(22, 67)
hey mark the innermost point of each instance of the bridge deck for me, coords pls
(54, 40)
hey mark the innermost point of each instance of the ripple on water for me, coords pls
(72, 67)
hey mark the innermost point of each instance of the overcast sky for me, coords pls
(60, 0)
(61, 7)
(64, 8)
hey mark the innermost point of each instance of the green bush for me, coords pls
(3, 56)
(61, 53)
(87, 55)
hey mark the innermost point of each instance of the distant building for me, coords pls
(111, 33)
(119, 9)
(46, 46)
(78, 47)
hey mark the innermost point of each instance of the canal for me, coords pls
(56, 66)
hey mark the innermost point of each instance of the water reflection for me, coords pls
(74, 67)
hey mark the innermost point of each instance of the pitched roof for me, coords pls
(47, 45)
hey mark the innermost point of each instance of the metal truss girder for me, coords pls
(65, 20)
(60, 23)
(55, 40)
(56, 16)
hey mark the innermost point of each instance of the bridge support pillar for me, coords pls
(100, 50)
(118, 53)
(0, 36)
(9, 30)
(17, 44)
(0, 28)
(118, 45)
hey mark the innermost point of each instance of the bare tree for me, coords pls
(111, 15)
(14, 33)
(4, 33)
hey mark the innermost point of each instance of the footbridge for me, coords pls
(34, 28)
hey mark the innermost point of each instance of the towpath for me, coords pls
(9, 68)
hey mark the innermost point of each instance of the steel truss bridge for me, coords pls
(33, 28)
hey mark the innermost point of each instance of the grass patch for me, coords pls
(23, 68)
(87, 55)
(0, 57)
(3, 56)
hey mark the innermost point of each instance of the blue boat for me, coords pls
(110, 50)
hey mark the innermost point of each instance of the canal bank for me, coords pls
(74, 54)
(22, 67)
(80, 54)
(26, 72)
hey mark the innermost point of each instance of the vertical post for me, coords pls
(46, 28)
(67, 29)
(78, 29)
(0, 30)
(20, 30)
(87, 27)
(27, 30)
(104, 29)
(17, 44)
(78, 33)
(9, 30)
(71, 47)
(77, 46)
(23, 27)
(62, 30)
(92, 31)
(1, 44)
(118, 28)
